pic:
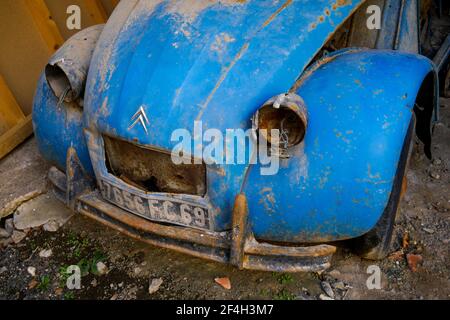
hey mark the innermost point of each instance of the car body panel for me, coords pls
(337, 183)
(217, 62)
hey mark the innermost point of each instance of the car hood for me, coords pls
(210, 61)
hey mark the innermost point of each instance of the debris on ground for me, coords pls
(414, 260)
(33, 284)
(40, 211)
(326, 287)
(9, 225)
(46, 253)
(224, 282)
(324, 297)
(4, 233)
(31, 271)
(405, 240)
(155, 284)
(102, 269)
(10, 207)
(18, 236)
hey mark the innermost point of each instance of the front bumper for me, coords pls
(237, 247)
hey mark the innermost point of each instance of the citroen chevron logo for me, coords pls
(140, 117)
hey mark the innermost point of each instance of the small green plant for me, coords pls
(264, 293)
(63, 276)
(89, 265)
(285, 279)
(69, 295)
(77, 244)
(44, 283)
(284, 295)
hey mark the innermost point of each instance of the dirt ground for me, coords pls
(424, 216)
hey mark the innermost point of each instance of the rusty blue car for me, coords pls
(351, 96)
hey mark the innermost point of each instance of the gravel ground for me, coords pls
(423, 221)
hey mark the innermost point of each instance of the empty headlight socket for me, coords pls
(286, 113)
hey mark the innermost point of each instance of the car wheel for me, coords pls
(375, 244)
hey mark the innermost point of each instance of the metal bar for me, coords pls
(442, 55)
(180, 233)
(238, 234)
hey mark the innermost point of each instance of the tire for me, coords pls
(375, 244)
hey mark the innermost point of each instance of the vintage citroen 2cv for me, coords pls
(350, 98)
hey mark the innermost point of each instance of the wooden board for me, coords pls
(15, 136)
(10, 112)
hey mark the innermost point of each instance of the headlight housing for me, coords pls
(285, 113)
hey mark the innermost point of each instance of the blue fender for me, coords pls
(58, 127)
(337, 183)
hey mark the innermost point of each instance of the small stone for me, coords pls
(428, 230)
(114, 297)
(413, 261)
(9, 225)
(435, 175)
(3, 270)
(5, 242)
(59, 292)
(324, 297)
(437, 162)
(102, 268)
(51, 226)
(405, 240)
(326, 287)
(398, 255)
(94, 283)
(137, 270)
(224, 282)
(339, 285)
(154, 286)
(4, 233)
(46, 253)
(33, 283)
(31, 271)
(18, 236)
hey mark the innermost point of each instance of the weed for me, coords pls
(284, 295)
(44, 283)
(285, 279)
(69, 295)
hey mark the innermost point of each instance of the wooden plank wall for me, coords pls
(30, 32)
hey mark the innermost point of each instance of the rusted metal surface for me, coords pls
(68, 68)
(286, 113)
(153, 170)
(264, 249)
(225, 247)
(238, 233)
(237, 247)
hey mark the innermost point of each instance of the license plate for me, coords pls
(158, 209)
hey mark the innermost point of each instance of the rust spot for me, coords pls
(276, 13)
(404, 186)
(327, 12)
(321, 18)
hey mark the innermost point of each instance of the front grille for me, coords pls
(153, 170)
